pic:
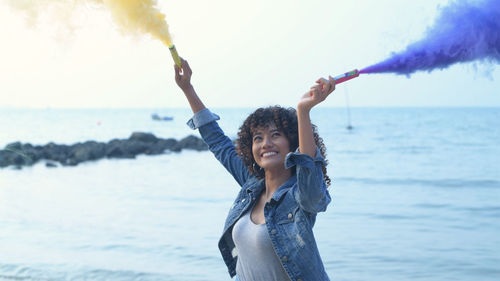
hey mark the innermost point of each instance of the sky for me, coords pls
(243, 54)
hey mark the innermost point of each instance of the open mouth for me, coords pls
(269, 153)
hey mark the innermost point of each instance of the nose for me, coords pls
(267, 142)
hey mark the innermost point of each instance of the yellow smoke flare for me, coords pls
(140, 15)
(143, 16)
(136, 16)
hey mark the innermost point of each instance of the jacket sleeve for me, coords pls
(311, 192)
(219, 144)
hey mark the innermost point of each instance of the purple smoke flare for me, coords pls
(463, 32)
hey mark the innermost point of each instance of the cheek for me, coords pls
(254, 151)
(286, 144)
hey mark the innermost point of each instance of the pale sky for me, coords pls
(243, 54)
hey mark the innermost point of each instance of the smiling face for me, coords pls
(285, 119)
(269, 147)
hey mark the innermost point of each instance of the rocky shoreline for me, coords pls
(18, 154)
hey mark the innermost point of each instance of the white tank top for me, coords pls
(257, 260)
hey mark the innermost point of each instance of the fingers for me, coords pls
(324, 85)
(183, 75)
(316, 92)
(332, 84)
(185, 67)
(327, 86)
(315, 88)
(183, 72)
(184, 62)
(177, 72)
(322, 81)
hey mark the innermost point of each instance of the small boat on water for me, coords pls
(157, 117)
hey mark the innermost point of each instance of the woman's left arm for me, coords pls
(314, 96)
(311, 192)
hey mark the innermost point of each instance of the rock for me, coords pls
(82, 152)
(160, 146)
(125, 148)
(50, 164)
(190, 142)
(14, 155)
(31, 152)
(18, 154)
(55, 152)
(116, 149)
(6, 158)
(144, 137)
(19, 160)
(14, 146)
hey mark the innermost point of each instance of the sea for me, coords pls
(415, 196)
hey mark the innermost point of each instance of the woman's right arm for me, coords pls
(218, 143)
(183, 80)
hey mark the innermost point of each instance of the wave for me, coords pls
(10, 272)
(451, 183)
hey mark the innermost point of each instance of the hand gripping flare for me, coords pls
(175, 55)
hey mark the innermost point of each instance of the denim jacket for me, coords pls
(291, 213)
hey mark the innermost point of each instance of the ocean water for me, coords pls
(416, 196)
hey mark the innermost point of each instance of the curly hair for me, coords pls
(285, 120)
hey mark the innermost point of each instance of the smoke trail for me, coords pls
(462, 33)
(135, 16)
(140, 15)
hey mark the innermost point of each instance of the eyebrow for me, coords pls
(259, 132)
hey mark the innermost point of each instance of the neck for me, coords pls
(274, 180)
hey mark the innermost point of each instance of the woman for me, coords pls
(279, 163)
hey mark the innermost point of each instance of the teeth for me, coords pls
(268, 154)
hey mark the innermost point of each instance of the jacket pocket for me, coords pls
(289, 216)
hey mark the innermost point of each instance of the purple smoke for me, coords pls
(463, 32)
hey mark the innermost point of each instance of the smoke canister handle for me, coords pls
(175, 55)
(346, 76)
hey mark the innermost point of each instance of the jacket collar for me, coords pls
(278, 194)
(256, 187)
(259, 185)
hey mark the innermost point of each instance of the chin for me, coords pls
(273, 164)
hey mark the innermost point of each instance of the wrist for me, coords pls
(188, 89)
(303, 109)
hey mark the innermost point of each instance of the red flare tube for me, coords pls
(346, 76)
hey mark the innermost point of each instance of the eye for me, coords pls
(276, 134)
(257, 138)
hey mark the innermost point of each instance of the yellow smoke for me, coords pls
(134, 16)
(140, 15)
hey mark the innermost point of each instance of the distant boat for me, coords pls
(157, 117)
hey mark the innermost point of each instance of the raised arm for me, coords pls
(311, 192)
(314, 96)
(183, 80)
(219, 144)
